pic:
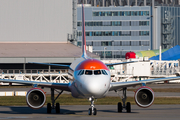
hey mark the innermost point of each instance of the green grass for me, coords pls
(161, 89)
(67, 99)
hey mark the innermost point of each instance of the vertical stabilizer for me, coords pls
(84, 54)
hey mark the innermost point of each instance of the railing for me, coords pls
(169, 71)
(32, 71)
(122, 72)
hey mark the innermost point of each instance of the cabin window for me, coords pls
(104, 72)
(97, 72)
(81, 72)
(88, 72)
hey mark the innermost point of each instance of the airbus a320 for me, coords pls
(92, 80)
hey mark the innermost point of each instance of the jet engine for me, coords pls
(144, 96)
(36, 98)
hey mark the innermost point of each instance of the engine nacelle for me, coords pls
(144, 96)
(36, 98)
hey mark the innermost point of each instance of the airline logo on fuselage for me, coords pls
(91, 64)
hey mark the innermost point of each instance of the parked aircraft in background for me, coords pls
(91, 81)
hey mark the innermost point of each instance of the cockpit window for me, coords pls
(97, 72)
(104, 72)
(81, 72)
(88, 72)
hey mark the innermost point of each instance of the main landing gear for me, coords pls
(92, 110)
(125, 105)
(57, 107)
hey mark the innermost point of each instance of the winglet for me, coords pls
(84, 54)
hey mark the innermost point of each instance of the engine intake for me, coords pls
(35, 98)
(144, 97)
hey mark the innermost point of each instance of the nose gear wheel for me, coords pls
(92, 110)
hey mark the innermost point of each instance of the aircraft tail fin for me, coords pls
(84, 54)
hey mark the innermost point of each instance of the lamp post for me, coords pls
(112, 48)
(141, 47)
(104, 52)
(121, 53)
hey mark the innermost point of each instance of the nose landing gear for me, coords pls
(92, 110)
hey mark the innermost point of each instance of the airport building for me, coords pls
(37, 31)
(50, 31)
(114, 27)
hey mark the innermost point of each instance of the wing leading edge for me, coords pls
(120, 63)
(119, 85)
(61, 86)
(60, 65)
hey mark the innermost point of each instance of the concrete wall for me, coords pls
(35, 20)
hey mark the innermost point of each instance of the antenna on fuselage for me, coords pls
(84, 54)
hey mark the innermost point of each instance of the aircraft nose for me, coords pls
(95, 88)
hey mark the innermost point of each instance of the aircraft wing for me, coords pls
(60, 65)
(61, 86)
(120, 63)
(119, 85)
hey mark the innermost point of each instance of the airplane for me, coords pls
(92, 80)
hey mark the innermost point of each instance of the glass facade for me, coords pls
(117, 43)
(116, 30)
(115, 33)
(115, 23)
(120, 13)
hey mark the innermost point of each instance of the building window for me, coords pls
(144, 33)
(106, 23)
(125, 43)
(115, 33)
(78, 23)
(89, 43)
(121, 13)
(78, 43)
(115, 13)
(96, 43)
(106, 43)
(126, 33)
(115, 23)
(135, 43)
(144, 43)
(116, 43)
(143, 23)
(134, 33)
(108, 54)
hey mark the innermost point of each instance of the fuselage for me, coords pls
(92, 79)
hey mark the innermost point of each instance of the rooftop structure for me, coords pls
(15, 55)
(107, 3)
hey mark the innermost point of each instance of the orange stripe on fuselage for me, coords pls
(91, 64)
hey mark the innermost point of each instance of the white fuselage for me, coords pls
(92, 85)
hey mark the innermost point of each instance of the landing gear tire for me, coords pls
(119, 107)
(128, 107)
(90, 111)
(49, 108)
(57, 108)
(95, 111)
